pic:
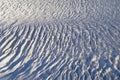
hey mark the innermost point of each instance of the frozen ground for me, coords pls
(59, 40)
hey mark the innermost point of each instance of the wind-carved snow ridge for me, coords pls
(59, 40)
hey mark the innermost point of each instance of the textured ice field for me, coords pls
(59, 39)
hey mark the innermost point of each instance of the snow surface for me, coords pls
(59, 40)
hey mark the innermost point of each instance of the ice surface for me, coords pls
(59, 40)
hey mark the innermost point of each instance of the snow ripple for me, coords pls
(60, 51)
(59, 40)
